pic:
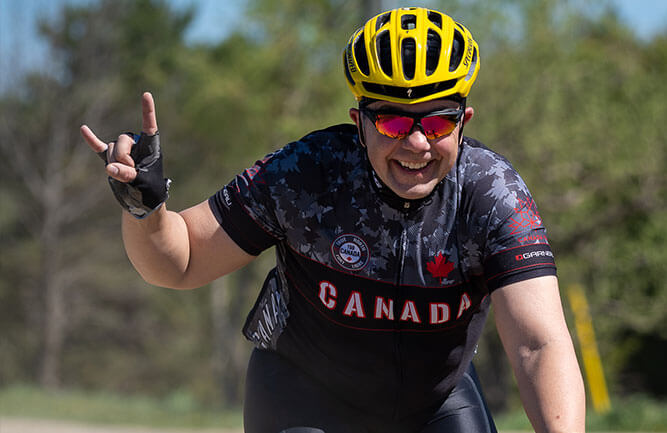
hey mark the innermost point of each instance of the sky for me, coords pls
(212, 22)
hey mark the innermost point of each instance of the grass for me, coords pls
(630, 414)
(176, 411)
(633, 414)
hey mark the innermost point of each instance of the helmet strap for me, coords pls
(362, 139)
(360, 128)
(463, 105)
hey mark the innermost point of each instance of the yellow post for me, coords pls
(589, 349)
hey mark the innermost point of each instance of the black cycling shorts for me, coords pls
(282, 399)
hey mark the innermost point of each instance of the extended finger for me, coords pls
(120, 152)
(121, 172)
(149, 124)
(95, 143)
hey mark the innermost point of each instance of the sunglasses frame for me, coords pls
(454, 113)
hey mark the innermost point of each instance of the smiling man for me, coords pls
(394, 236)
(411, 147)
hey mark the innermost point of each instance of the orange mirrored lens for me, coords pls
(394, 126)
(437, 126)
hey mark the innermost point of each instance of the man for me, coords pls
(393, 237)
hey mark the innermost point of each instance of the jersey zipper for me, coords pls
(402, 247)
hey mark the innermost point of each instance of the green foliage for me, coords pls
(576, 108)
(632, 414)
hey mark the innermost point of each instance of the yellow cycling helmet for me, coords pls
(411, 55)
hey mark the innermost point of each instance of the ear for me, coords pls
(354, 115)
(469, 113)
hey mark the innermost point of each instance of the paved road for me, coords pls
(24, 425)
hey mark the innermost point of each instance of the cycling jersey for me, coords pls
(380, 299)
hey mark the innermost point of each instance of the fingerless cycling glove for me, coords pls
(150, 188)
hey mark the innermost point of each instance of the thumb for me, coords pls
(121, 172)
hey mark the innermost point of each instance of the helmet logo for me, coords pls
(468, 58)
(350, 60)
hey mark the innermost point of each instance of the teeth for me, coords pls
(413, 165)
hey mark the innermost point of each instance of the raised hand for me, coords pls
(134, 164)
(120, 165)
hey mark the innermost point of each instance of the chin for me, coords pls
(414, 193)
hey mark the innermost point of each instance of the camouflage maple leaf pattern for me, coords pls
(440, 267)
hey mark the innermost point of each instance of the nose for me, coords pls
(416, 141)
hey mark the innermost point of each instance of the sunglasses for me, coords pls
(399, 124)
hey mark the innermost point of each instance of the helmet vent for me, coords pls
(408, 22)
(384, 52)
(382, 20)
(433, 44)
(435, 18)
(457, 51)
(410, 93)
(360, 54)
(408, 58)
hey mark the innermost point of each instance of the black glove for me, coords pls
(150, 188)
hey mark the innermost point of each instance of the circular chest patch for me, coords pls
(350, 251)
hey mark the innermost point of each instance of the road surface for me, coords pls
(25, 425)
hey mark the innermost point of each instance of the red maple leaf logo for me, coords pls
(440, 267)
(526, 217)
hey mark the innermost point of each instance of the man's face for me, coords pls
(411, 166)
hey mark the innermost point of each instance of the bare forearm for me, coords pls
(531, 325)
(551, 387)
(158, 246)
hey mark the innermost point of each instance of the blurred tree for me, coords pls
(49, 170)
(574, 102)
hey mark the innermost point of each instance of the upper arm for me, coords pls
(529, 315)
(212, 252)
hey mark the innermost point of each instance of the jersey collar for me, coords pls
(391, 198)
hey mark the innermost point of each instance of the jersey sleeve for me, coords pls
(245, 208)
(510, 229)
(518, 249)
(267, 202)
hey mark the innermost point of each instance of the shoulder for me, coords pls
(323, 141)
(486, 173)
(491, 189)
(313, 163)
(314, 150)
(343, 132)
(495, 201)
(478, 161)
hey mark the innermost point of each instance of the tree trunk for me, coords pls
(50, 237)
(54, 333)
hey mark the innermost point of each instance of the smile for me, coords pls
(413, 165)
